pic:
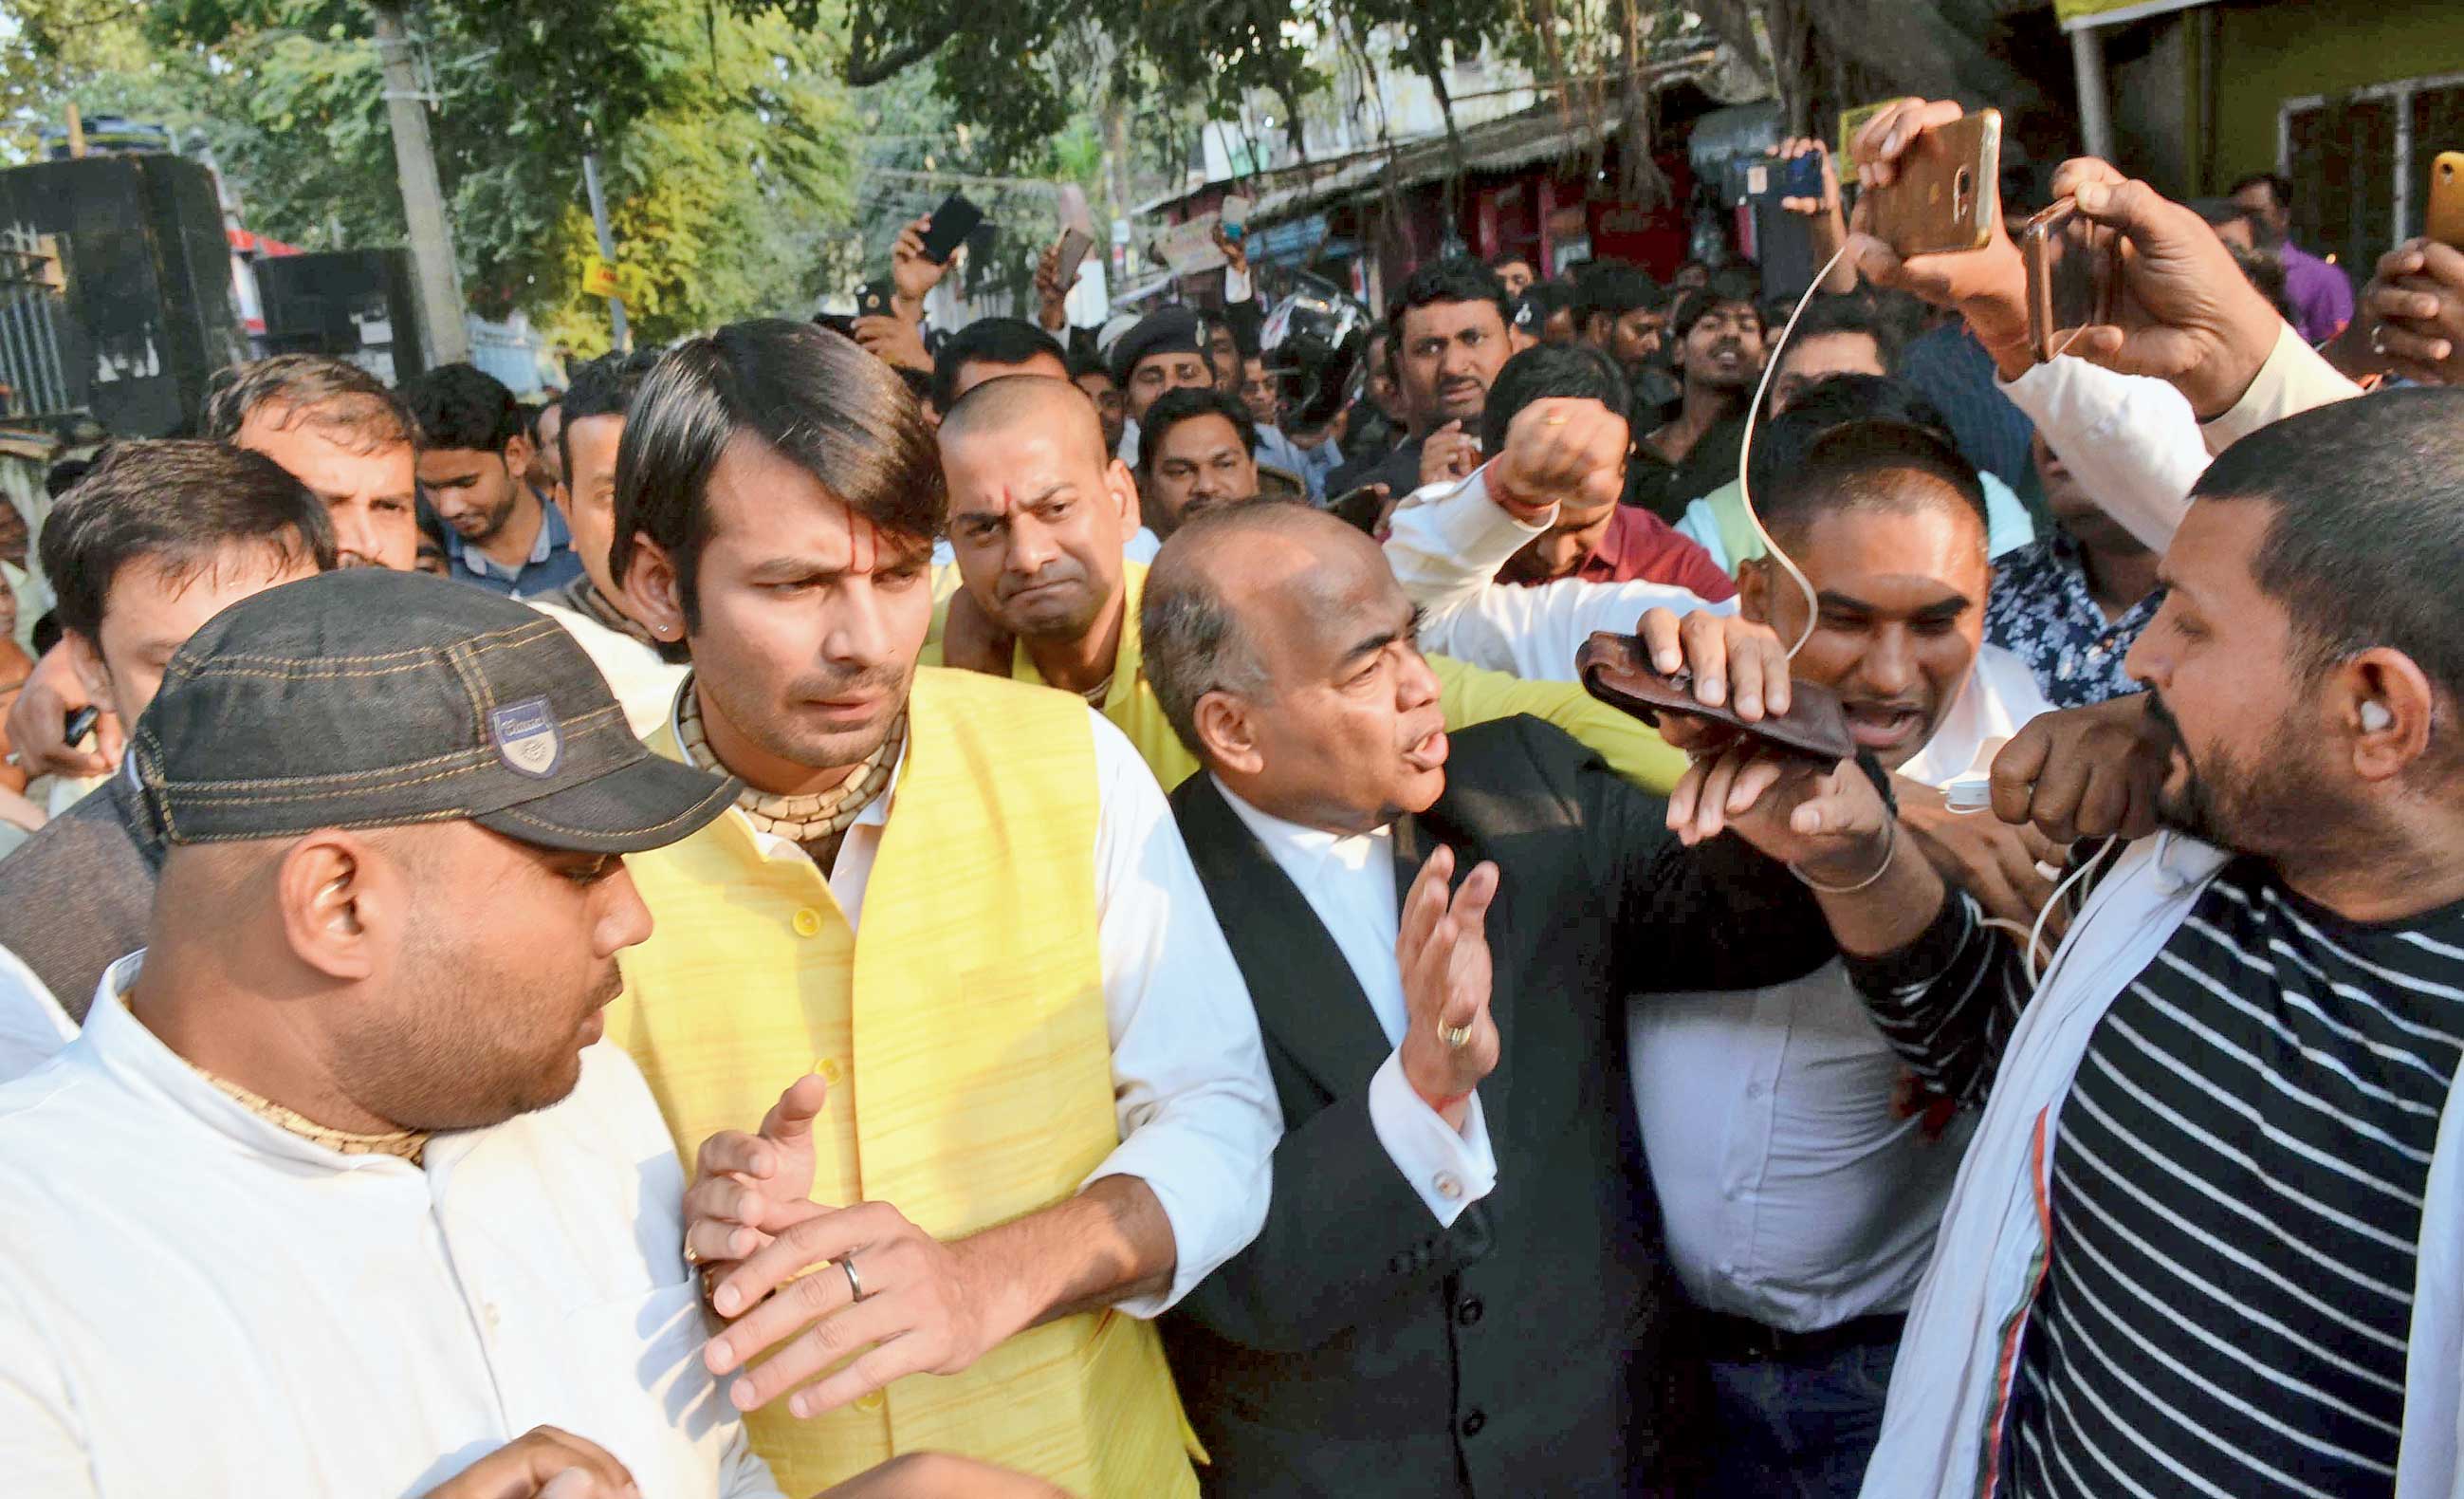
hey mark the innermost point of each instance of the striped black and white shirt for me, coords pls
(2237, 1190)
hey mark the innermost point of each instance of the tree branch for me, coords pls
(863, 70)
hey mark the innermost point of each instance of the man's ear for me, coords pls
(653, 589)
(2384, 703)
(518, 453)
(342, 904)
(563, 494)
(1123, 486)
(1753, 590)
(1227, 733)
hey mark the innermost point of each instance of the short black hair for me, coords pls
(1187, 404)
(335, 396)
(180, 503)
(462, 408)
(1781, 444)
(1515, 257)
(1613, 288)
(816, 399)
(1728, 284)
(1849, 467)
(1456, 279)
(1829, 315)
(988, 341)
(602, 388)
(2276, 183)
(2367, 539)
(1545, 370)
(1085, 362)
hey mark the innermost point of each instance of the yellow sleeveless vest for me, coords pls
(962, 1031)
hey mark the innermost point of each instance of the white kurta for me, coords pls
(195, 1301)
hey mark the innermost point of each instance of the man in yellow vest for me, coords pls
(1038, 512)
(1044, 1113)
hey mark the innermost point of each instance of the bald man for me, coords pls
(1038, 509)
(1456, 1161)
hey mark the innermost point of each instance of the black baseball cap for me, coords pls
(371, 699)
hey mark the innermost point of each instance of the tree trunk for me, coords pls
(446, 338)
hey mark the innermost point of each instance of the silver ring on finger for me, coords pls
(1456, 1037)
(2378, 339)
(855, 1282)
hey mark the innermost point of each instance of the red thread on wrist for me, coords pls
(1441, 1105)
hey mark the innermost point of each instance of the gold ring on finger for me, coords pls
(1457, 1037)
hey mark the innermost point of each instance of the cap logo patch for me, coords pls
(526, 737)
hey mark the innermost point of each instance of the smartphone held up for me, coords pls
(1946, 193)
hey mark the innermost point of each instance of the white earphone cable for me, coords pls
(1746, 450)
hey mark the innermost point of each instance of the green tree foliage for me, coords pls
(726, 136)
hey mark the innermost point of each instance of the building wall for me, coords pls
(2271, 52)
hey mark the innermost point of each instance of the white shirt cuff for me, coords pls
(1236, 285)
(1461, 534)
(1449, 1171)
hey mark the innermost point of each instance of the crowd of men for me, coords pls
(996, 917)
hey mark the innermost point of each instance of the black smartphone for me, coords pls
(837, 323)
(873, 301)
(951, 223)
(81, 723)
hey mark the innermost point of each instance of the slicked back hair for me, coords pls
(816, 399)
(341, 400)
(2367, 540)
(181, 504)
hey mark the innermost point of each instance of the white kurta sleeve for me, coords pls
(2294, 379)
(2133, 442)
(1198, 1111)
(1446, 542)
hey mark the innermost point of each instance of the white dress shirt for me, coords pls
(1197, 1109)
(196, 1301)
(34, 1027)
(1446, 542)
(1349, 881)
(2133, 443)
(1791, 1192)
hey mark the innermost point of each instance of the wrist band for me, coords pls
(1890, 846)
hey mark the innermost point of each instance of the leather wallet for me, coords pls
(1617, 670)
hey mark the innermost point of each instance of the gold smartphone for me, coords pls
(1947, 195)
(2445, 219)
(2074, 276)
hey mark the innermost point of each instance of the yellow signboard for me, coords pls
(1852, 121)
(599, 278)
(2077, 14)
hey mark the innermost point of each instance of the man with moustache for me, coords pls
(332, 425)
(1716, 340)
(1036, 515)
(1448, 339)
(2209, 1221)
(1460, 1289)
(1042, 1111)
